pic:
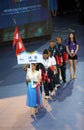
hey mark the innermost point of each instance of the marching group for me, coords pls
(46, 77)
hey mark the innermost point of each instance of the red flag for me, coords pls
(18, 42)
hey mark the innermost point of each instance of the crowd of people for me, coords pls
(46, 76)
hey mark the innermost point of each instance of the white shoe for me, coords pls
(55, 88)
(71, 76)
(46, 97)
(52, 93)
(60, 77)
(74, 76)
(57, 85)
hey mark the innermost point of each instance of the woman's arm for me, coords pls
(68, 51)
(25, 67)
(27, 76)
(77, 47)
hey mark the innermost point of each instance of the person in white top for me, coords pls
(47, 62)
(33, 92)
(52, 71)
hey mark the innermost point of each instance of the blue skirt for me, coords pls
(34, 97)
(53, 5)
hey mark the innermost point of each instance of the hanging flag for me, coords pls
(17, 41)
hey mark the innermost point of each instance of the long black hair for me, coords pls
(74, 38)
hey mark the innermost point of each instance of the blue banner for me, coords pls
(21, 12)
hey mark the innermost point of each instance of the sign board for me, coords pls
(30, 57)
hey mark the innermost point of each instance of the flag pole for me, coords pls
(14, 20)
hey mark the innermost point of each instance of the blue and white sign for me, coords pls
(30, 57)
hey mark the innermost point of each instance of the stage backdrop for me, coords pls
(31, 16)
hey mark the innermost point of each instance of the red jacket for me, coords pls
(62, 59)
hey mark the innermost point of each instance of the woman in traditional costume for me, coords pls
(33, 92)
